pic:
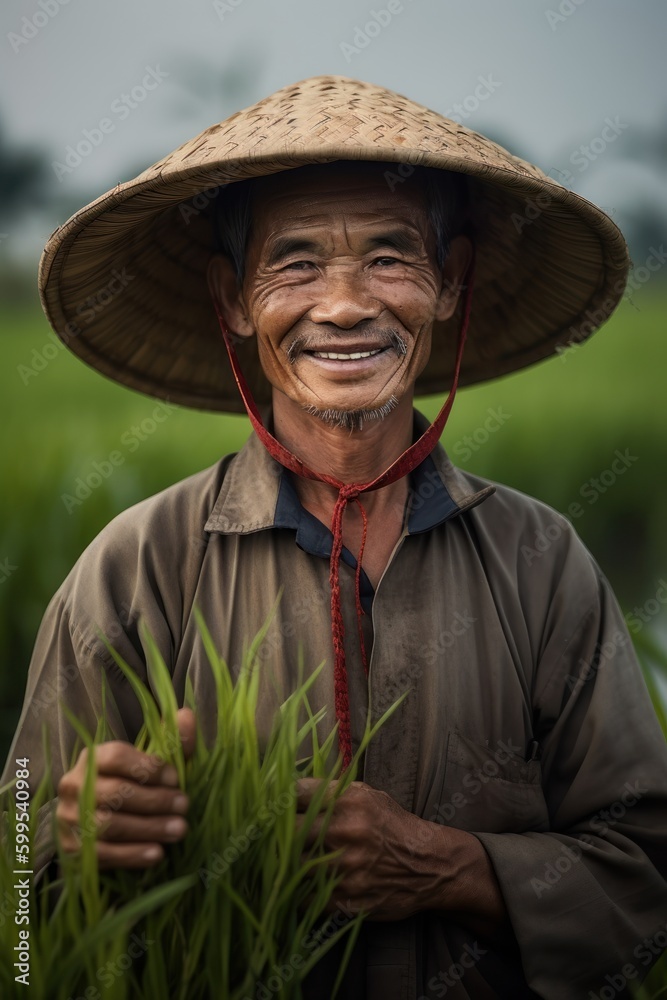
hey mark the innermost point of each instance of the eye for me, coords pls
(298, 265)
(387, 261)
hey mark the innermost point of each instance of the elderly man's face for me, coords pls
(341, 289)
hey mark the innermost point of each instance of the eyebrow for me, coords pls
(284, 246)
(401, 240)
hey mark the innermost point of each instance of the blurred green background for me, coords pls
(554, 432)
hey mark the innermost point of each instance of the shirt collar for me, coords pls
(257, 493)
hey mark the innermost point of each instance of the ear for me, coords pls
(225, 290)
(453, 273)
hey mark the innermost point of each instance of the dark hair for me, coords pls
(445, 194)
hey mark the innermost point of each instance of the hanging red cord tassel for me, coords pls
(347, 492)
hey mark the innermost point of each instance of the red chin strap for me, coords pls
(347, 492)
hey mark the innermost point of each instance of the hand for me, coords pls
(381, 874)
(139, 804)
(395, 864)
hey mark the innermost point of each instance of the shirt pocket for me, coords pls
(490, 789)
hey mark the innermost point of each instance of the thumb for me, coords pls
(187, 728)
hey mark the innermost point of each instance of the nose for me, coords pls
(344, 300)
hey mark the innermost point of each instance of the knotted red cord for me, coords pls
(347, 492)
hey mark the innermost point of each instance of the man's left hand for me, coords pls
(381, 871)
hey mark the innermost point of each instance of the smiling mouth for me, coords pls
(349, 350)
(350, 356)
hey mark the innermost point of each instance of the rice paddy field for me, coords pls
(584, 432)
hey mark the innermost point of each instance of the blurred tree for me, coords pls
(23, 177)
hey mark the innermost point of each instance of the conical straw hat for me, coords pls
(123, 282)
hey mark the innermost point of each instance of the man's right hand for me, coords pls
(139, 805)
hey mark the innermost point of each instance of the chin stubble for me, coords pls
(352, 420)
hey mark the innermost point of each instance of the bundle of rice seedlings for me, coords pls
(236, 910)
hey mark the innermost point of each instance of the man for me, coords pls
(508, 836)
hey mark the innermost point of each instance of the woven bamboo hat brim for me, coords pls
(123, 282)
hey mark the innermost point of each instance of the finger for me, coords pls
(127, 796)
(313, 832)
(124, 760)
(336, 864)
(128, 855)
(113, 827)
(69, 837)
(306, 789)
(187, 728)
(126, 828)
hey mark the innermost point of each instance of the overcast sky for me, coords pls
(555, 70)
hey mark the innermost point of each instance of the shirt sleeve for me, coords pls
(588, 899)
(66, 668)
(142, 566)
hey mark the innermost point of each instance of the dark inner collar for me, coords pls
(430, 505)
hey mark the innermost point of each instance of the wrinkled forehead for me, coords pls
(324, 188)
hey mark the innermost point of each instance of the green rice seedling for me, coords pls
(240, 902)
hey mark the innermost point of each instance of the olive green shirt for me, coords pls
(528, 722)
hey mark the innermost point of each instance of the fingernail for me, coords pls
(180, 803)
(174, 827)
(152, 853)
(169, 775)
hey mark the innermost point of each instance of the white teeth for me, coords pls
(346, 357)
